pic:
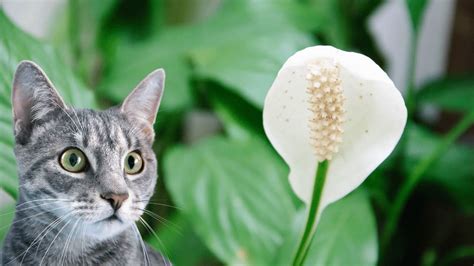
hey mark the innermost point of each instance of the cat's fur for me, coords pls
(61, 218)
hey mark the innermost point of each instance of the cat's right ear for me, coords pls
(33, 97)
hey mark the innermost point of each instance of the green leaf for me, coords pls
(346, 234)
(129, 69)
(177, 237)
(451, 93)
(454, 171)
(244, 56)
(6, 217)
(236, 194)
(241, 120)
(249, 66)
(15, 46)
(416, 10)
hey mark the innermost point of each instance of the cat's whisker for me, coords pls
(64, 217)
(29, 217)
(30, 201)
(72, 120)
(77, 117)
(82, 242)
(51, 244)
(146, 225)
(52, 225)
(165, 205)
(27, 208)
(158, 203)
(68, 241)
(164, 221)
(142, 244)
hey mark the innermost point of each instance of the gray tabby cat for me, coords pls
(85, 176)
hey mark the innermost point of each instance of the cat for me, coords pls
(85, 176)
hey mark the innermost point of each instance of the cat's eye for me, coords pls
(73, 160)
(133, 163)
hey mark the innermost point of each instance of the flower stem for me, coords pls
(311, 220)
(411, 95)
(418, 172)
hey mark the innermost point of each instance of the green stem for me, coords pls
(418, 172)
(411, 95)
(310, 227)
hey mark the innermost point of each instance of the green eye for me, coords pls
(73, 160)
(133, 163)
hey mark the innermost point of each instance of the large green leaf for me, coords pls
(346, 234)
(416, 10)
(238, 46)
(236, 195)
(248, 61)
(454, 171)
(451, 93)
(15, 46)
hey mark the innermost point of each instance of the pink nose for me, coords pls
(115, 199)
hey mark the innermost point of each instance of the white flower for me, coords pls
(328, 104)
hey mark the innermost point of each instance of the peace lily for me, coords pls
(333, 116)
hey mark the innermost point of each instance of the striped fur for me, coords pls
(60, 217)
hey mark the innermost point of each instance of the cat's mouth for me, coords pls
(112, 218)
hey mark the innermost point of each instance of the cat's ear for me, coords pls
(33, 96)
(143, 102)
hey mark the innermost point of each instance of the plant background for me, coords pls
(223, 190)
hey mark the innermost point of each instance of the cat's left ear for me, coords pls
(143, 102)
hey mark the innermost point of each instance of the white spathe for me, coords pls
(375, 116)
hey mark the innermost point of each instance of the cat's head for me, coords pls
(95, 167)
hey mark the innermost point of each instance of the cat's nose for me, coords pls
(115, 199)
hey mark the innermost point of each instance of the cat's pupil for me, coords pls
(73, 159)
(131, 162)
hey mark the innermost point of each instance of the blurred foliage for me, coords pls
(346, 234)
(416, 10)
(234, 204)
(452, 93)
(14, 47)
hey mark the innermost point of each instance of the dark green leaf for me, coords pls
(452, 93)
(236, 194)
(346, 234)
(241, 120)
(180, 243)
(454, 171)
(14, 47)
(416, 10)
